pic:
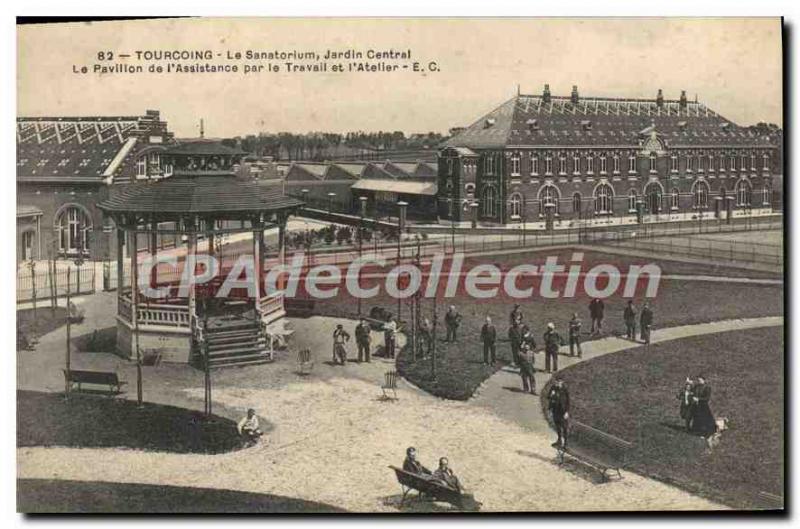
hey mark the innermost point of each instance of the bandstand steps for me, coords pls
(237, 351)
(245, 331)
(225, 340)
(253, 359)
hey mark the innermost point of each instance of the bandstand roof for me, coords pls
(200, 195)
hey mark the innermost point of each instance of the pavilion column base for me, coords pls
(172, 344)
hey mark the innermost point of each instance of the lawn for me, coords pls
(93, 421)
(46, 320)
(458, 366)
(40, 496)
(632, 394)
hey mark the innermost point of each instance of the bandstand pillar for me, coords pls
(191, 256)
(153, 253)
(282, 247)
(120, 262)
(258, 260)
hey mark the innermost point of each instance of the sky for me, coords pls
(732, 65)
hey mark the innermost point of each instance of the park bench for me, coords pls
(596, 448)
(96, 378)
(389, 384)
(305, 361)
(431, 489)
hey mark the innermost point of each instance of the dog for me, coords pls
(714, 439)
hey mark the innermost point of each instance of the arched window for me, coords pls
(489, 196)
(73, 227)
(700, 195)
(548, 195)
(675, 199)
(469, 189)
(743, 193)
(577, 206)
(603, 199)
(632, 201)
(652, 193)
(515, 203)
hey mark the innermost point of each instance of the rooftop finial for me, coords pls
(202, 130)
(574, 95)
(546, 94)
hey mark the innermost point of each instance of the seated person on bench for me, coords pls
(248, 427)
(413, 466)
(445, 475)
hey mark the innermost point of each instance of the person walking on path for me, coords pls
(575, 335)
(363, 340)
(552, 341)
(596, 311)
(452, 319)
(526, 362)
(558, 404)
(489, 339)
(515, 338)
(629, 316)
(703, 422)
(646, 322)
(426, 333)
(340, 336)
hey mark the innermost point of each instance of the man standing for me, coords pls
(630, 320)
(489, 338)
(552, 341)
(390, 337)
(596, 310)
(526, 362)
(426, 333)
(515, 337)
(646, 322)
(515, 316)
(340, 336)
(452, 319)
(575, 335)
(558, 403)
(363, 340)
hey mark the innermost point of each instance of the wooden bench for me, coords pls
(426, 487)
(96, 378)
(389, 384)
(305, 361)
(596, 448)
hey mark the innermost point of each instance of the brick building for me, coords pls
(597, 158)
(66, 165)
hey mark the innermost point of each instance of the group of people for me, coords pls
(695, 408)
(363, 334)
(645, 322)
(443, 475)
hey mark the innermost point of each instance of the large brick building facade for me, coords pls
(601, 158)
(66, 165)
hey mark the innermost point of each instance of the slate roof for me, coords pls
(76, 149)
(200, 195)
(529, 121)
(306, 171)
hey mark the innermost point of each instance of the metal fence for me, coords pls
(38, 280)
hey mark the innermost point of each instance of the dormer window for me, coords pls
(489, 123)
(532, 124)
(586, 124)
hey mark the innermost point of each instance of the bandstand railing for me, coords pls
(163, 315)
(270, 304)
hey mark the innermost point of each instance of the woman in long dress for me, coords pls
(703, 422)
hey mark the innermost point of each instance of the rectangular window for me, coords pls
(154, 162)
(673, 161)
(141, 167)
(515, 165)
(732, 163)
(535, 165)
(710, 163)
(603, 164)
(652, 163)
(616, 164)
(590, 164)
(562, 164)
(576, 164)
(689, 164)
(632, 163)
(548, 165)
(766, 162)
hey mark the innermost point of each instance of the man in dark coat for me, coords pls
(515, 316)
(575, 335)
(515, 337)
(552, 341)
(412, 465)
(629, 315)
(452, 319)
(646, 322)
(362, 340)
(426, 333)
(526, 361)
(489, 339)
(596, 311)
(686, 398)
(558, 404)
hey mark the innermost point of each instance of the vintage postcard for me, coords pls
(413, 265)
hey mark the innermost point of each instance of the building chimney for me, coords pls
(660, 99)
(574, 96)
(683, 98)
(546, 94)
